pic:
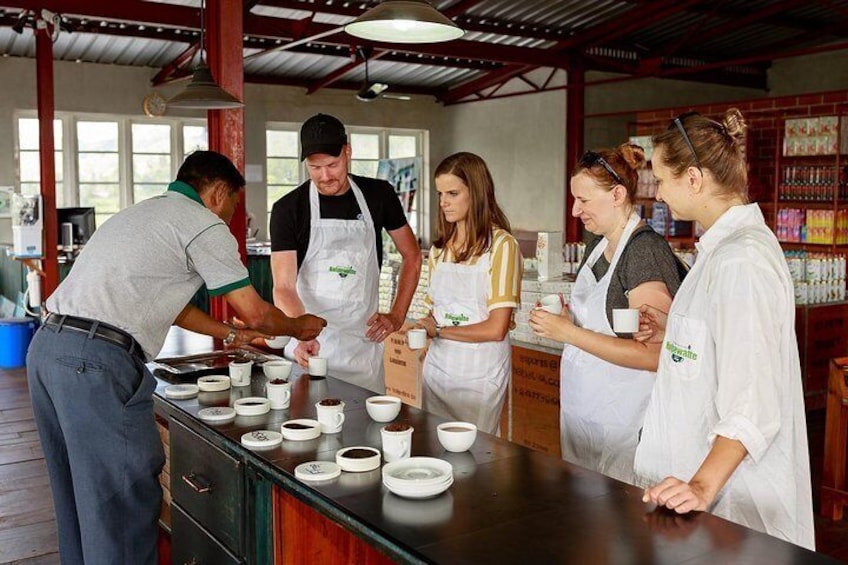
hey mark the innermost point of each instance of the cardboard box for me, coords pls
(549, 254)
(403, 367)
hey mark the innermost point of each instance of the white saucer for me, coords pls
(312, 430)
(213, 383)
(252, 406)
(261, 439)
(358, 464)
(419, 492)
(181, 392)
(217, 414)
(417, 472)
(317, 471)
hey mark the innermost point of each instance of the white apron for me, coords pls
(465, 381)
(601, 404)
(338, 280)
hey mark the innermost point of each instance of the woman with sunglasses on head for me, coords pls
(725, 430)
(475, 285)
(606, 379)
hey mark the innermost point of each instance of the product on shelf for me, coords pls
(818, 277)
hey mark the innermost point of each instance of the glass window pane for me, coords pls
(98, 167)
(60, 195)
(281, 143)
(275, 192)
(365, 145)
(364, 168)
(97, 136)
(59, 167)
(283, 171)
(30, 188)
(145, 191)
(28, 136)
(104, 197)
(152, 168)
(195, 138)
(30, 167)
(151, 138)
(401, 146)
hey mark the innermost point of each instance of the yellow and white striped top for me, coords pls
(505, 270)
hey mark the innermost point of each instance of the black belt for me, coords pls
(97, 330)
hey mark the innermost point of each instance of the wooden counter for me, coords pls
(508, 504)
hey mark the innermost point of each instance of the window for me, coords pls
(365, 149)
(99, 170)
(151, 162)
(194, 138)
(283, 164)
(30, 167)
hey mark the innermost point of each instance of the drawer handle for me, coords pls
(198, 483)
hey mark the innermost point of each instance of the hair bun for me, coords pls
(633, 155)
(735, 125)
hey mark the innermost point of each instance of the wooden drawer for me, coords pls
(208, 484)
(192, 545)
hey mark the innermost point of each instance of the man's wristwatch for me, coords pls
(438, 331)
(231, 337)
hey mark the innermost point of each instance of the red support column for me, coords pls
(574, 131)
(44, 89)
(224, 25)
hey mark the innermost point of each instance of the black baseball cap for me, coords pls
(322, 133)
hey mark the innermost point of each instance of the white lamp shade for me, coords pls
(204, 93)
(404, 21)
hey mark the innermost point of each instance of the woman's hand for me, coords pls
(552, 326)
(429, 324)
(677, 495)
(652, 322)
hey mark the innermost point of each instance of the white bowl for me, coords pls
(311, 430)
(456, 436)
(383, 408)
(213, 383)
(358, 464)
(278, 342)
(252, 406)
(277, 369)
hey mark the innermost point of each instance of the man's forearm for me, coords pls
(287, 300)
(410, 272)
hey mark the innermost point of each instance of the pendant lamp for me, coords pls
(404, 21)
(203, 92)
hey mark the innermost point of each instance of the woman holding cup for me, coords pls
(475, 285)
(605, 378)
(725, 430)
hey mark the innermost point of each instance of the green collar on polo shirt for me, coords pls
(186, 190)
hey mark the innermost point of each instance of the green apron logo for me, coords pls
(456, 319)
(343, 272)
(678, 354)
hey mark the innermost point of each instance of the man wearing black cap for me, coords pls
(326, 252)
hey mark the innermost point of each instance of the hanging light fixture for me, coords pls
(203, 92)
(404, 21)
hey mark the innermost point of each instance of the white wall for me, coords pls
(811, 73)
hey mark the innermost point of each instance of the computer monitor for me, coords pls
(83, 223)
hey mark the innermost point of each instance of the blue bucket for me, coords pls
(15, 335)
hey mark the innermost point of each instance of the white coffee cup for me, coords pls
(625, 320)
(331, 417)
(278, 342)
(416, 338)
(551, 303)
(383, 408)
(318, 366)
(240, 373)
(456, 436)
(277, 368)
(279, 394)
(396, 445)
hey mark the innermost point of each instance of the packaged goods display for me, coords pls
(813, 183)
(811, 136)
(796, 225)
(818, 277)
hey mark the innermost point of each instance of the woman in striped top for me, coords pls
(475, 286)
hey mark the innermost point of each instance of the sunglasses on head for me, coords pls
(590, 159)
(678, 123)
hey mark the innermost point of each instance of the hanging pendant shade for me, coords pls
(204, 93)
(404, 21)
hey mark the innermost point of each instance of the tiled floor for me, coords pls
(28, 530)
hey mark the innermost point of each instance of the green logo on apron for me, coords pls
(678, 354)
(456, 319)
(343, 272)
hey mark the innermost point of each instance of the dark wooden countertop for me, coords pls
(508, 504)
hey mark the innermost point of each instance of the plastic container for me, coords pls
(15, 335)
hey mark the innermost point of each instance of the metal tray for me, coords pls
(188, 368)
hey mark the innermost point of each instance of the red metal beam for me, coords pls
(575, 102)
(47, 158)
(726, 27)
(180, 63)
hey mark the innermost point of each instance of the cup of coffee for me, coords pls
(278, 392)
(330, 415)
(383, 408)
(318, 366)
(416, 338)
(551, 303)
(456, 436)
(625, 320)
(277, 369)
(240, 373)
(397, 441)
(278, 342)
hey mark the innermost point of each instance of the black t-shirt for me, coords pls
(290, 216)
(646, 257)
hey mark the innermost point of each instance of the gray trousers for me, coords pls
(93, 405)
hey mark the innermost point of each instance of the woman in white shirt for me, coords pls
(475, 285)
(725, 429)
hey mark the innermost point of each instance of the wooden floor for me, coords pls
(28, 529)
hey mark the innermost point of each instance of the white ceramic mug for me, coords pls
(625, 320)
(396, 445)
(277, 369)
(240, 373)
(279, 394)
(416, 338)
(331, 417)
(551, 303)
(318, 366)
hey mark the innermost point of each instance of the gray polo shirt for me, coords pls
(143, 265)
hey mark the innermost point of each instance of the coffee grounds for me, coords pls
(330, 402)
(297, 426)
(279, 382)
(399, 427)
(359, 453)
